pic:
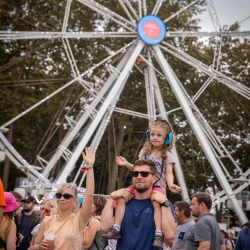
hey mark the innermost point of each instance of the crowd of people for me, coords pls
(138, 217)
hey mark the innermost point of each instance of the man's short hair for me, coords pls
(183, 206)
(203, 197)
(147, 162)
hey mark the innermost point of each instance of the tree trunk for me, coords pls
(6, 168)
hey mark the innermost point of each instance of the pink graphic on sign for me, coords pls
(151, 29)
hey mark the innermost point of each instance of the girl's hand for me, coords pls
(121, 161)
(89, 157)
(174, 188)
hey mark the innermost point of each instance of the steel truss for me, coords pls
(101, 102)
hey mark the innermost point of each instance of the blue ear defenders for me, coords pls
(169, 136)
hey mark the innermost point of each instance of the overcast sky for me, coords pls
(228, 11)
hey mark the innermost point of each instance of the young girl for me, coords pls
(160, 140)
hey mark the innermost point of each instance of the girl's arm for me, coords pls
(121, 161)
(39, 237)
(94, 226)
(89, 158)
(170, 179)
(11, 237)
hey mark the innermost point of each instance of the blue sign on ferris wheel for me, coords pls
(151, 29)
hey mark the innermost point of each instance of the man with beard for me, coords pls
(28, 220)
(138, 227)
(205, 233)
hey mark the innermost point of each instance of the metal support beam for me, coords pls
(198, 132)
(114, 91)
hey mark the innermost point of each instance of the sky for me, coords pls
(228, 11)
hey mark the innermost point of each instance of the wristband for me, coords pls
(112, 197)
(89, 168)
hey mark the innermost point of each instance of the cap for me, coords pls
(247, 224)
(10, 201)
(29, 199)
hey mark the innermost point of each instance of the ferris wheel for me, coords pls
(148, 45)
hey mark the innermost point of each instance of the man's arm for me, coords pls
(107, 212)
(168, 223)
(204, 245)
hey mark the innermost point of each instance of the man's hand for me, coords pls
(89, 157)
(122, 193)
(159, 197)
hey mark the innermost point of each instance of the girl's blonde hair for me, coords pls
(148, 147)
(50, 202)
(74, 192)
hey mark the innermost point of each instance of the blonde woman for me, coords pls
(67, 225)
(48, 208)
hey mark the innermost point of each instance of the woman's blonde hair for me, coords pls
(74, 192)
(50, 202)
(148, 147)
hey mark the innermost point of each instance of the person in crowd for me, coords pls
(137, 228)
(205, 233)
(17, 213)
(69, 224)
(245, 225)
(28, 220)
(2, 200)
(226, 240)
(243, 240)
(93, 236)
(7, 226)
(48, 208)
(231, 237)
(182, 213)
(160, 140)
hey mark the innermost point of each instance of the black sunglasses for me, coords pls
(65, 196)
(143, 173)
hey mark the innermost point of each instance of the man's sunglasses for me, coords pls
(143, 173)
(44, 210)
(65, 196)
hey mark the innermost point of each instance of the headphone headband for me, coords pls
(164, 120)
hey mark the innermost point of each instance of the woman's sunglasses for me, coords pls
(65, 196)
(43, 209)
(143, 173)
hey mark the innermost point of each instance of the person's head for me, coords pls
(11, 205)
(28, 204)
(144, 175)
(224, 234)
(182, 211)
(47, 206)
(160, 135)
(98, 204)
(231, 235)
(18, 198)
(201, 203)
(67, 197)
(246, 224)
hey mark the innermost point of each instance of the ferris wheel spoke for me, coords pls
(236, 86)
(144, 7)
(178, 12)
(236, 34)
(125, 4)
(157, 7)
(17, 35)
(109, 14)
(140, 8)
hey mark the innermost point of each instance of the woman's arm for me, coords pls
(11, 237)
(39, 237)
(89, 158)
(93, 227)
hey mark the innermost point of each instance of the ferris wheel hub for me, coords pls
(151, 29)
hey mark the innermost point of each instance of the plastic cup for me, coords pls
(50, 239)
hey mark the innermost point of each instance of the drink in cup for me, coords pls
(50, 239)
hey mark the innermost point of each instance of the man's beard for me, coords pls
(141, 189)
(27, 209)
